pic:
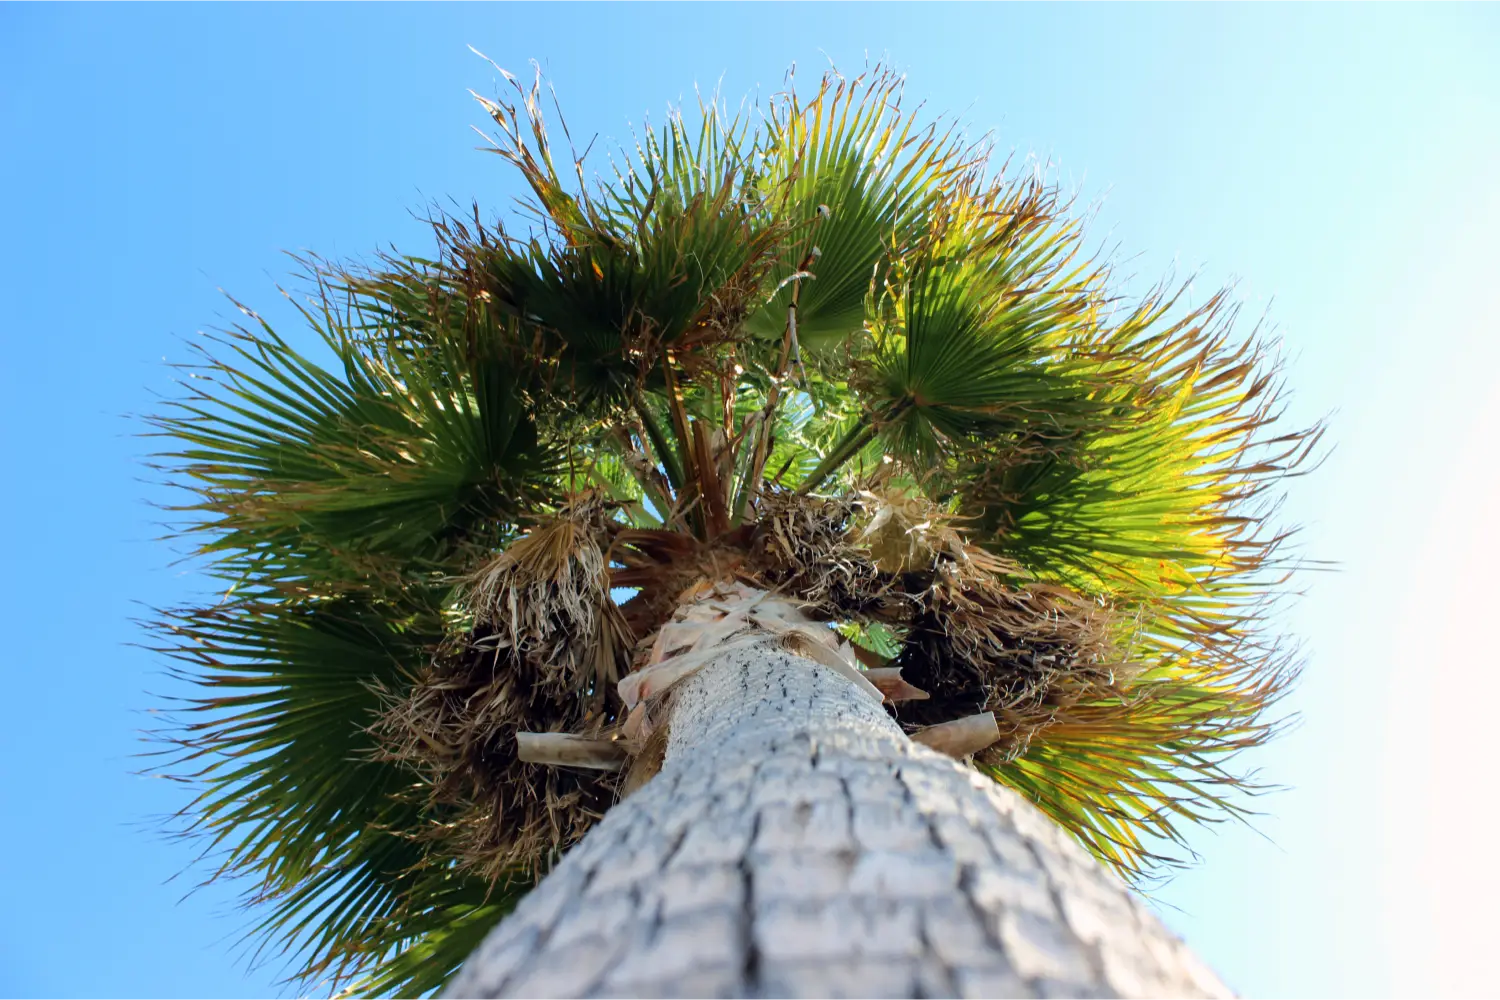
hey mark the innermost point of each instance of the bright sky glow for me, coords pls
(1340, 161)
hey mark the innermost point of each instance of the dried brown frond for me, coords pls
(980, 637)
(979, 644)
(545, 650)
(802, 545)
(904, 531)
(544, 592)
(648, 761)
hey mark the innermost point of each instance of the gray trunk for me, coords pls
(797, 843)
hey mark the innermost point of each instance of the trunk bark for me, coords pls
(797, 843)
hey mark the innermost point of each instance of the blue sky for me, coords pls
(1339, 162)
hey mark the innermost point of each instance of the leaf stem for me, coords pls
(861, 434)
(660, 445)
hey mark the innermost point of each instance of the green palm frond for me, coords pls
(972, 345)
(1129, 775)
(430, 944)
(337, 502)
(852, 174)
(669, 255)
(1144, 500)
(364, 471)
(280, 747)
(292, 800)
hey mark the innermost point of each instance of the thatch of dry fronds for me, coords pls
(904, 531)
(1021, 652)
(545, 649)
(803, 545)
(979, 636)
(548, 645)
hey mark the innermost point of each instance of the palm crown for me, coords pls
(829, 351)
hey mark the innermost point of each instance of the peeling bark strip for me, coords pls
(570, 751)
(715, 618)
(796, 843)
(961, 737)
(893, 685)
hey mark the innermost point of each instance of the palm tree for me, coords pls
(800, 499)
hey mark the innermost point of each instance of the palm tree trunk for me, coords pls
(797, 843)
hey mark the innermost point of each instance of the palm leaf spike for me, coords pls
(828, 357)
